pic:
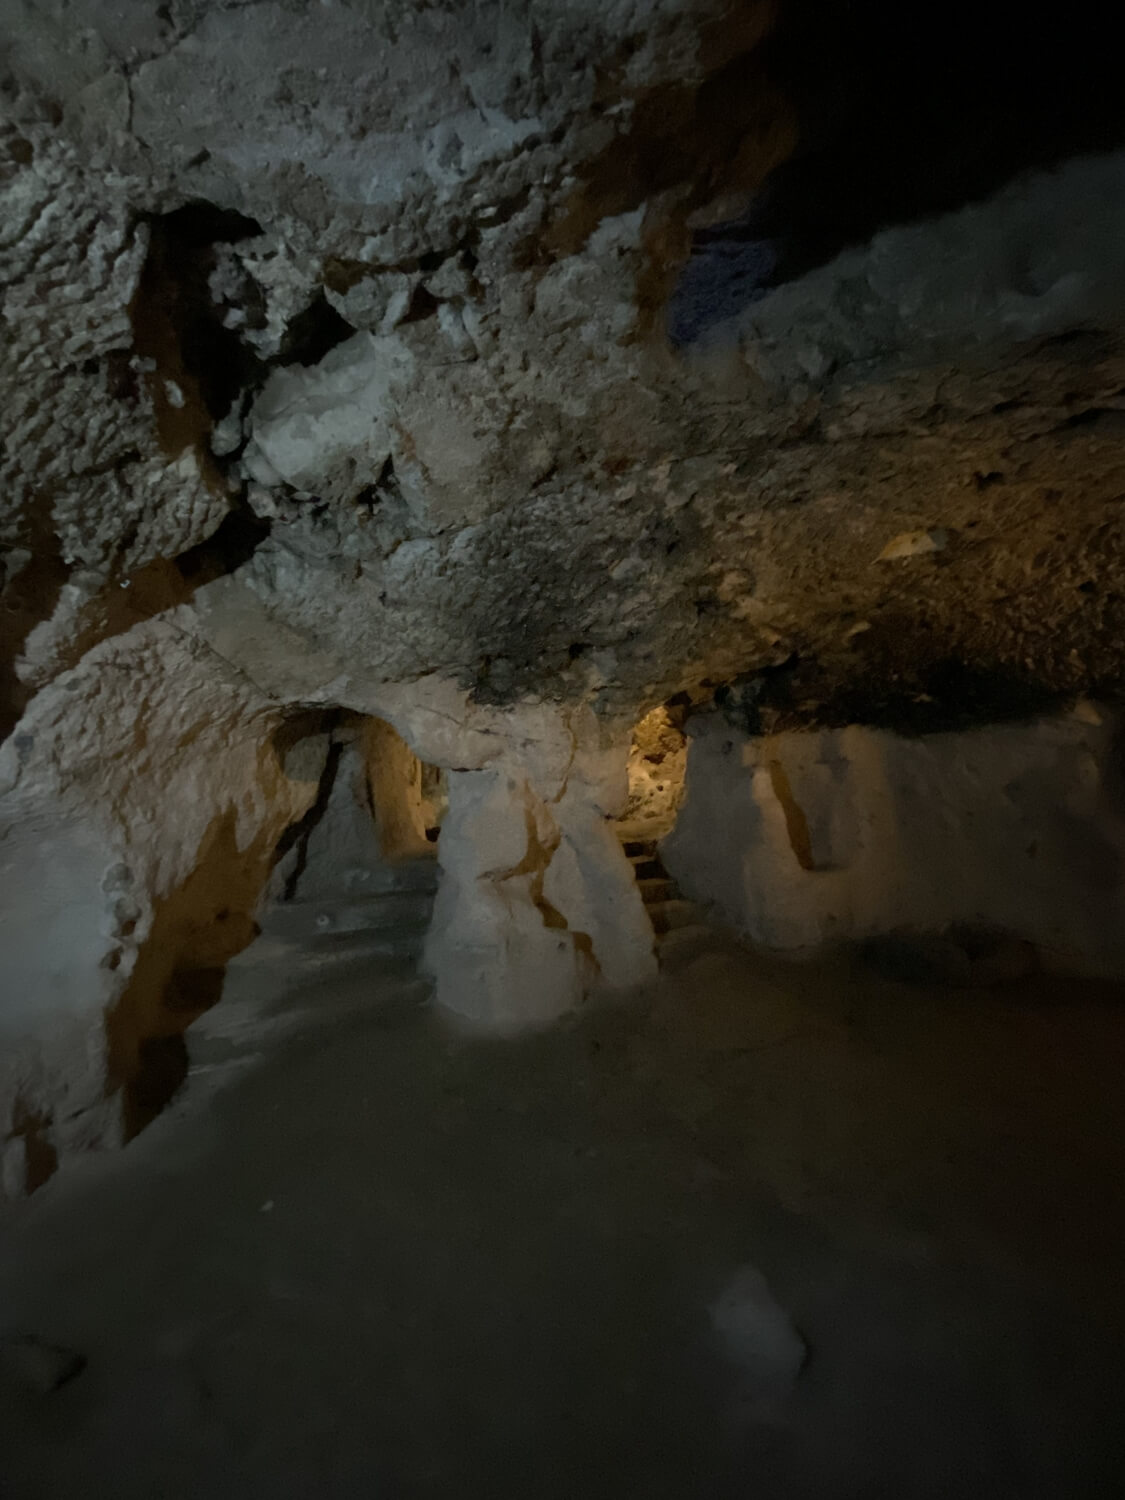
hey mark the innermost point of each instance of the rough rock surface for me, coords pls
(538, 903)
(337, 372)
(143, 798)
(445, 381)
(802, 840)
(657, 761)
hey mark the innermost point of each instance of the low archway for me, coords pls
(363, 858)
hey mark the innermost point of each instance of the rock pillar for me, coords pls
(537, 905)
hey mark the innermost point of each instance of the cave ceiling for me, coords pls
(567, 351)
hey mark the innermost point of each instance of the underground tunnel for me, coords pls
(562, 750)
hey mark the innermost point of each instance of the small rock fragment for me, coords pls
(758, 1336)
(1086, 712)
(914, 544)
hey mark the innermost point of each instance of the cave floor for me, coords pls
(363, 1255)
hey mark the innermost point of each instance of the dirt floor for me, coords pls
(364, 1256)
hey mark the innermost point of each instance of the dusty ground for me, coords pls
(373, 1258)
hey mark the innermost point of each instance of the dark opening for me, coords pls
(314, 333)
(903, 112)
(175, 319)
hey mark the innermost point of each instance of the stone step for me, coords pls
(367, 943)
(670, 915)
(398, 913)
(419, 874)
(659, 888)
(645, 829)
(639, 848)
(648, 867)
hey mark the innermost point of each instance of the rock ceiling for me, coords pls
(371, 342)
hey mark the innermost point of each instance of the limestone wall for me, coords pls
(801, 839)
(142, 797)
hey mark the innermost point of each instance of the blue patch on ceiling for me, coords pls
(725, 273)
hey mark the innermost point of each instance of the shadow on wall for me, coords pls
(370, 814)
(296, 838)
(196, 930)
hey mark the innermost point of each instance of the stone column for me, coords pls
(537, 905)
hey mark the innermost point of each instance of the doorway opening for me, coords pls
(657, 764)
(656, 770)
